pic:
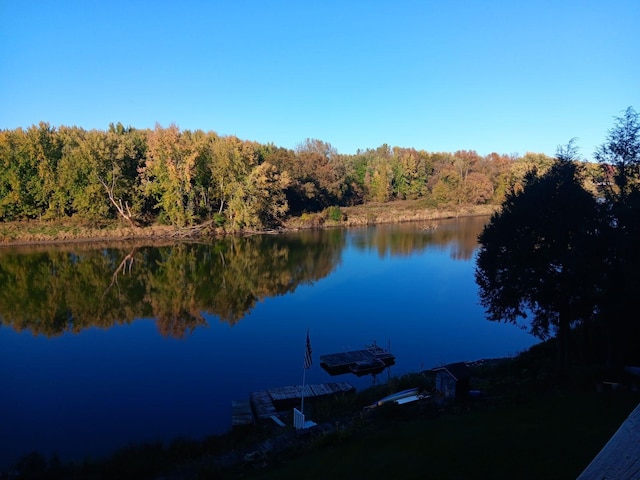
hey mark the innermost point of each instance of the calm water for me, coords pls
(102, 346)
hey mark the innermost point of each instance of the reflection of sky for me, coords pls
(85, 394)
(425, 305)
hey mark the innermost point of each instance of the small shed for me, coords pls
(452, 380)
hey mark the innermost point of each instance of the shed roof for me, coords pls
(459, 370)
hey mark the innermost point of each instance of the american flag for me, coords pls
(307, 353)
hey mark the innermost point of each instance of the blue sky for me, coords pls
(504, 76)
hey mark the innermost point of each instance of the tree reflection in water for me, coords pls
(53, 290)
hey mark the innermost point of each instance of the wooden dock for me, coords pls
(336, 363)
(241, 413)
(266, 404)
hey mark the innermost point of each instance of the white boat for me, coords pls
(394, 397)
(404, 396)
(411, 398)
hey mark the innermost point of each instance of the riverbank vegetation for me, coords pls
(74, 230)
(67, 183)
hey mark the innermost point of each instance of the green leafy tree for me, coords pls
(118, 163)
(522, 166)
(412, 170)
(381, 184)
(356, 167)
(42, 153)
(532, 254)
(17, 171)
(230, 162)
(448, 189)
(260, 201)
(169, 171)
(619, 157)
(79, 186)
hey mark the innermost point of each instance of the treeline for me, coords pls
(184, 178)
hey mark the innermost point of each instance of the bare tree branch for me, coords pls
(125, 267)
(118, 204)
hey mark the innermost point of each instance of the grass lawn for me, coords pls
(553, 436)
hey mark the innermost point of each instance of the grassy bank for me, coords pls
(390, 212)
(41, 231)
(553, 437)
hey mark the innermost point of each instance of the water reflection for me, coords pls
(53, 290)
(460, 236)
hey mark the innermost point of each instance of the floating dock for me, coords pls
(266, 404)
(344, 362)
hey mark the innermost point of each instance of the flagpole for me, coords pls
(305, 365)
(304, 375)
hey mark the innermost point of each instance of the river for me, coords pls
(106, 345)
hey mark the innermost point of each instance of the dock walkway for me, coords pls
(265, 404)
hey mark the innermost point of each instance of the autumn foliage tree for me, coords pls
(193, 178)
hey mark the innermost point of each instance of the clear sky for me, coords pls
(487, 75)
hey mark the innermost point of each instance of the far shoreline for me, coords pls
(50, 233)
